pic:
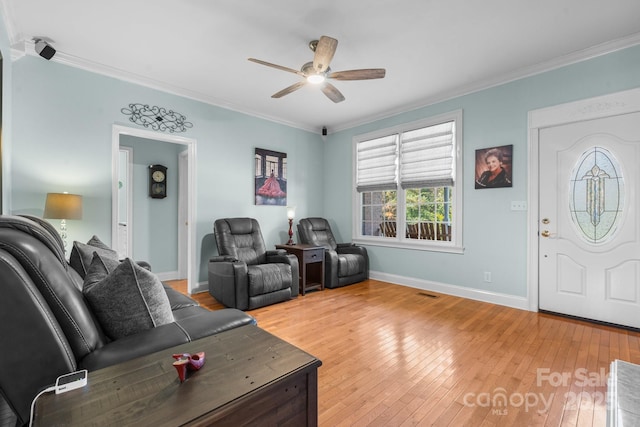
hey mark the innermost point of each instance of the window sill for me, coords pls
(448, 247)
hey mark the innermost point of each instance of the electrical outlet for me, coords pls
(487, 276)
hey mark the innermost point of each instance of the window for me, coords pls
(405, 191)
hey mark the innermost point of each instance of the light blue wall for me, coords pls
(62, 121)
(495, 238)
(5, 126)
(57, 130)
(155, 221)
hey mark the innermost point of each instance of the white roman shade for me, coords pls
(377, 164)
(427, 157)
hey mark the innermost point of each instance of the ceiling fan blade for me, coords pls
(332, 93)
(325, 50)
(364, 74)
(288, 90)
(279, 67)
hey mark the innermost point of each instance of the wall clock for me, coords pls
(157, 181)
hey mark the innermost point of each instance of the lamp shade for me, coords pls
(63, 206)
(291, 212)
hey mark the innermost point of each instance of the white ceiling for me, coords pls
(431, 49)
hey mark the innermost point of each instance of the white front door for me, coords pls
(589, 238)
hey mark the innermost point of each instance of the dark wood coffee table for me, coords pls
(249, 377)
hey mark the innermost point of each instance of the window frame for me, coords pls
(401, 241)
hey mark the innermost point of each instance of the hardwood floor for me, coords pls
(398, 356)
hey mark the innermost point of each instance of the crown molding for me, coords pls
(26, 47)
(7, 13)
(555, 63)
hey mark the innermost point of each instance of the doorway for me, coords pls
(185, 157)
(583, 227)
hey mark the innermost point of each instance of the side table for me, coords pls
(311, 265)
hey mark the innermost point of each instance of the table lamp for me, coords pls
(63, 206)
(291, 213)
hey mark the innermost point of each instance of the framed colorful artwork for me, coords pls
(270, 177)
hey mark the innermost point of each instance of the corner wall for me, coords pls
(495, 237)
(62, 119)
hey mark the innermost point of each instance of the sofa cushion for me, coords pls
(82, 254)
(127, 300)
(177, 299)
(266, 278)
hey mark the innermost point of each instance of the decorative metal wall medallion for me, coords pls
(157, 118)
(596, 195)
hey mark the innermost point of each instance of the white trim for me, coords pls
(168, 275)
(498, 80)
(613, 104)
(183, 198)
(419, 245)
(9, 22)
(27, 47)
(191, 143)
(22, 47)
(17, 51)
(129, 195)
(458, 291)
(456, 243)
(200, 287)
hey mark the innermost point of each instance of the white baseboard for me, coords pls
(168, 275)
(200, 287)
(427, 285)
(458, 291)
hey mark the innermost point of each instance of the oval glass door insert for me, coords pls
(596, 195)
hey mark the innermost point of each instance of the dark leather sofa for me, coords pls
(47, 328)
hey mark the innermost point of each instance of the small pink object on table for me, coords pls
(186, 361)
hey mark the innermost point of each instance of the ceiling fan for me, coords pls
(318, 71)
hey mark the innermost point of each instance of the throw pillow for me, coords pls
(100, 268)
(128, 300)
(82, 254)
(95, 241)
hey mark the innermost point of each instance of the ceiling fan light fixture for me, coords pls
(318, 72)
(315, 78)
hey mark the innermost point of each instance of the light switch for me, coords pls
(518, 206)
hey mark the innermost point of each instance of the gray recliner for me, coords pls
(246, 275)
(344, 263)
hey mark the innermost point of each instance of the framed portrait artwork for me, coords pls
(494, 167)
(270, 177)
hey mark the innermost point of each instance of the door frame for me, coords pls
(183, 214)
(614, 104)
(129, 197)
(190, 143)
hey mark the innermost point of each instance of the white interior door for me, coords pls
(589, 242)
